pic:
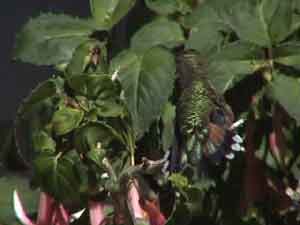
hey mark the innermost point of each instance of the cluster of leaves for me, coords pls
(83, 124)
(99, 116)
(78, 130)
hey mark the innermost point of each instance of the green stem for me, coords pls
(130, 142)
(110, 169)
(270, 57)
(268, 73)
(131, 146)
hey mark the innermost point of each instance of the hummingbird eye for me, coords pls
(218, 117)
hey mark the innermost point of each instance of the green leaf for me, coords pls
(239, 50)
(96, 156)
(91, 135)
(94, 86)
(42, 142)
(57, 175)
(288, 54)
(179, 181)
(206, 38)
(102, 10)
(107, 13)
(279, 17)
(225, 74)
(66, 119)
(262, 22)
(110, 108)
(8, 184)
(37, 118)
(245, 18)
(103, 90)
(43, 91)
(233, 63)
(35, 114)
(51, 39)
(168, 119)
(148, 81)
(121, 10)
(288, 100)
(207, 26)
(207, 13)
(82, 58)
(167, 7)
(162, 7)
(158, 32)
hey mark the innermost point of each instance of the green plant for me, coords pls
(99, 132)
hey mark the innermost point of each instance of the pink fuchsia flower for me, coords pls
(49, 212)
(97, 215)
(144, 209)
(52, 213)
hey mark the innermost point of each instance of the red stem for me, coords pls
(274, 145)
(254, 179)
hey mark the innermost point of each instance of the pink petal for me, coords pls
(54, 217)
(134, 201)
(64, 213)
(46, 209)
(20, 211)
(60, 217)
(97, 215)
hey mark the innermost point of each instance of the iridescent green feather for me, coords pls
(195, 105)
(198, 104)
(198, 97)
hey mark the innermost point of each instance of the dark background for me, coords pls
(17, 79)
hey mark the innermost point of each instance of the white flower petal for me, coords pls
(237, 138)
(115, 75)
(289, 191)
(104, 176)
(165, 167)
(166, 156)
(77, 215)
(236, 147)
(19, 210)
(229, 156)
(237, 124)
